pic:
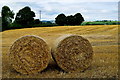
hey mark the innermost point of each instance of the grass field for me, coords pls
(104, 39)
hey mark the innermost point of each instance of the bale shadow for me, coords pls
(52, 66)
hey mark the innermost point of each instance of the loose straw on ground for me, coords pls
(29, 54)
(72, 53)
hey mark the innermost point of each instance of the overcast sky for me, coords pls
(90, 9)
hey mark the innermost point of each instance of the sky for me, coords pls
(91, 10)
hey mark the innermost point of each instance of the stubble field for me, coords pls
(104, 40)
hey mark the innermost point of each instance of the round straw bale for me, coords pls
(72, 53)
(29, 54)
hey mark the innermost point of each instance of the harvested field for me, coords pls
(103, 38)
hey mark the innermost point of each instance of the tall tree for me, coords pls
(70, 20)
(60, 19)
(7, 16)
(78, 19)
(25, 17)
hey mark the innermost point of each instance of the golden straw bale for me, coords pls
(29, 54)
(72, 53)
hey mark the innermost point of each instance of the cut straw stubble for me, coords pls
(72, 53)
(29, 55)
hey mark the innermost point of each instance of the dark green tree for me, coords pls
(37, 21)
(25, 17)
(60, 19)
(78, 19)
(7, 16)
(70, 20)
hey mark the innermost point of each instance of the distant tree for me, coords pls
(7, 16)
(60, 19)
(37, 21)
(78, 19)
(25, 17)
(70, 20)
(48, 22)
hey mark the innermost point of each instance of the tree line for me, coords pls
(61, 19)
(25, 19)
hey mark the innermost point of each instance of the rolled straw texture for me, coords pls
(29, 54)
(72, 53)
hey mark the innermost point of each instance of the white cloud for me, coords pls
(104, 11)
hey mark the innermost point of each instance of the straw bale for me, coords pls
(72, 53)
(29, 54)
